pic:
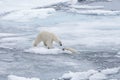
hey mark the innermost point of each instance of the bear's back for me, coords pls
(45, 35)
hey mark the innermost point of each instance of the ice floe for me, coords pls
(43, 50)
(26, 15)
(96, 12)
(111, 71)
(90, 74)
(78, 75)
(98, 76)
(7, 5)
(13, 77)
(86, 7)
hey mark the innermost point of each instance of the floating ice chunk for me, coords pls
(90, 75)
(86, 7)
(78, 75)
(97, 12)
(42, 50)
(13, 77)
(98, 76)
(111, 71)
(7, 5)
(26, 15)
(6, 34)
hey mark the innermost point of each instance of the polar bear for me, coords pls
(47, 38)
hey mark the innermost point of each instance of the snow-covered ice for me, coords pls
(78, 75)
(93, 30)
(86, 7)
(12, 39)
(13, 77)
(111, 71)
(42, 50)
(96, 12)
(6, 34)
(90, 74)
(7, 5)
(98, 76)
(26, 15)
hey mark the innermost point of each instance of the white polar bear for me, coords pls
(47, 38)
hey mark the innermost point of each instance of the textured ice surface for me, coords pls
(97, 12)
(7, 5)
(42, 50)
(13, 77)
(26, 15)
(90, 75)
(96, 37)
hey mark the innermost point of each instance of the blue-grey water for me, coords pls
(96, 37)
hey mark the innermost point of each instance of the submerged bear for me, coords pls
(47, 38)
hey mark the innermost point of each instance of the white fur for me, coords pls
(70, 49)
(47, 38)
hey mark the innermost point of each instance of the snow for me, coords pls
(98, 76)
(84, 33)
(13, 77)
(78, 75)
(43, 50)
(108, 4)
(90, 74)
(110, 71)
(86, 7)
(6, 34)
(12, 39)
(26, 15)
(8, 5)
(97, 12)
(73, 2)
